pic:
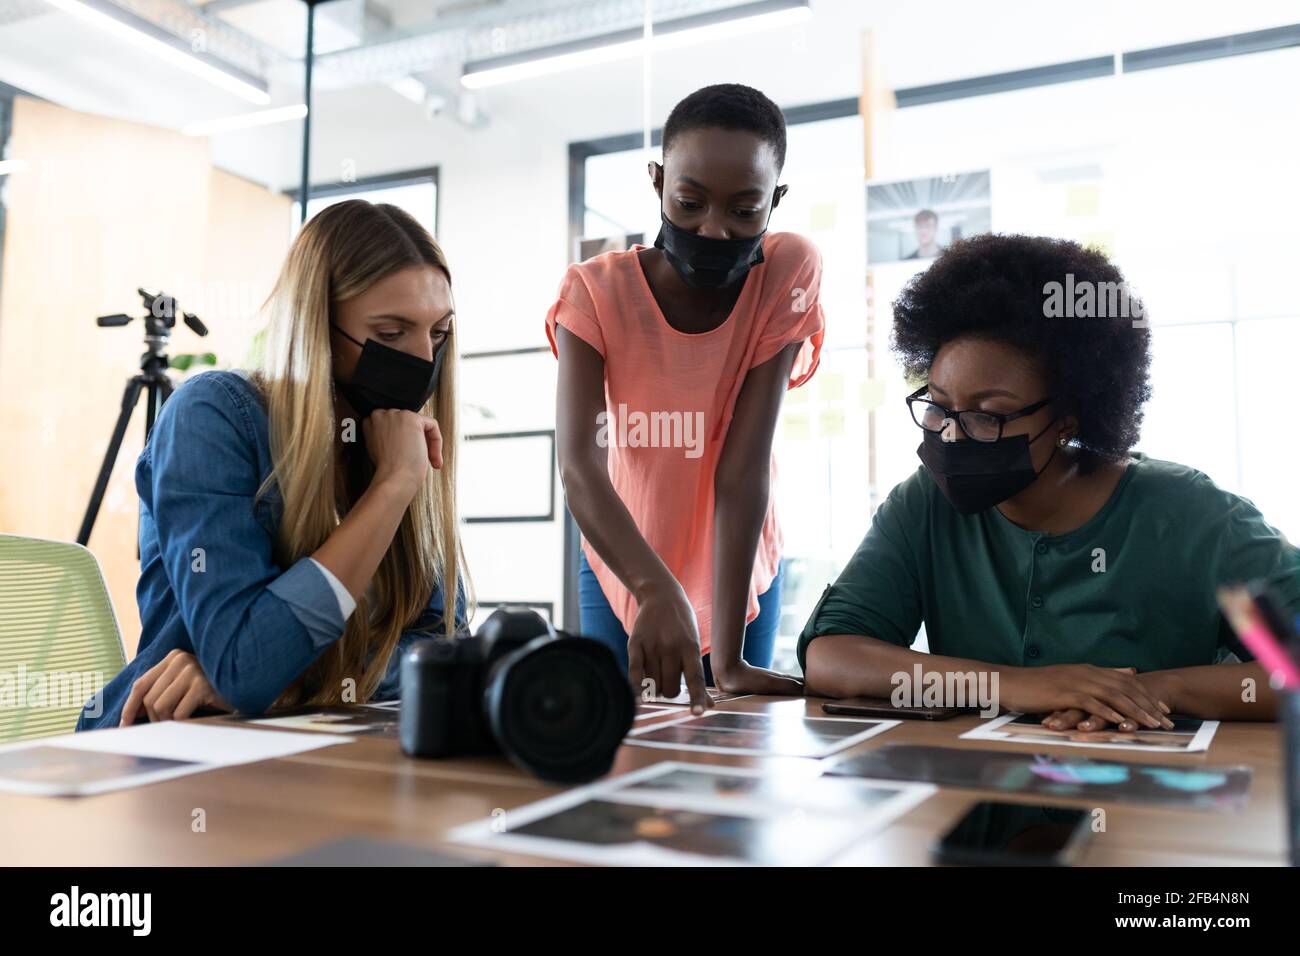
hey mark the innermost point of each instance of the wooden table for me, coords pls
(258, 812)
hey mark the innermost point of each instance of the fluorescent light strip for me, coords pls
(8, 166)
(496, 76)
(281, 114)
(729, 28)
(173, 54)
(410, 88)
(686, 31)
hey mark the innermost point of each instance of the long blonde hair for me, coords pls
(339, 254)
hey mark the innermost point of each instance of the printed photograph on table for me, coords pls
(1189, 735)
(674, 814)
(760, 734)
(62, 771)
(646, 711)
(697, 784)
(684, 698)
(1196, 787)
(122, 757)
(365, 719)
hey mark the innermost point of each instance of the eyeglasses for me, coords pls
(978, 426)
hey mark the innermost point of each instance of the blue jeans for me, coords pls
(600, 623)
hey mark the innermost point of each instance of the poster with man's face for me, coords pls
(919, 218)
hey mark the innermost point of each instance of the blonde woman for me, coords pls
(298, 524)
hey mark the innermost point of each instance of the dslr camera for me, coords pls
(556, 705)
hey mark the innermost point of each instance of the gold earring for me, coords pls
(1063, 441)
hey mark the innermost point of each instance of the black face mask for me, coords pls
(390, 378)
(974, 476)
(705, 263)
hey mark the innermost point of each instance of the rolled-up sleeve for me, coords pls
(255, 626)
(796, 314)
(574, 309)
(1252, 551)
(346, 602)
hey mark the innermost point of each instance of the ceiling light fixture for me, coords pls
(281, 114)
(606, 48)
(145, 35)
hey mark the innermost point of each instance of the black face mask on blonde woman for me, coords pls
(386, 377)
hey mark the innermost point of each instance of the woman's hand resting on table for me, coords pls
(173, 689)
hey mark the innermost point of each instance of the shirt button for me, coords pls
(1037, 601)
(1032, 651)
(1041, 547)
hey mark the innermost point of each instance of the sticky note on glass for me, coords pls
(822, 216)
(872, 393)
(1082, 200)
(830, 423)
(830, 386)
(797, 427)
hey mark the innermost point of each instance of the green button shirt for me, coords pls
(1133, 587)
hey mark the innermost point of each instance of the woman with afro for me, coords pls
(1036, 546)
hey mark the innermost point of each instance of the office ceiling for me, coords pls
(357, 43)
(366, 41)
(364, 46)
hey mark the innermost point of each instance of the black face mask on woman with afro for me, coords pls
(974, 476)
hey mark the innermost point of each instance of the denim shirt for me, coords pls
(209, 584)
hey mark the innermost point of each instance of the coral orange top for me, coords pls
(670, 397)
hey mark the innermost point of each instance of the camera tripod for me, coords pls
(152, 380)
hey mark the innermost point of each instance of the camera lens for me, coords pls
(560, 708)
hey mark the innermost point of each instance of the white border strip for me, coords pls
(481, 833)
(1200, 740)
(877, 727)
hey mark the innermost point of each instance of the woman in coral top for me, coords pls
(673, 363)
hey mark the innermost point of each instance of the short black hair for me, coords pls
(997, 287)
(729, 106)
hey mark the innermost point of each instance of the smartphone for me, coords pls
(1015, 834)
(880, 707)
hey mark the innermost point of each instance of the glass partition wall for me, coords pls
(518, 132)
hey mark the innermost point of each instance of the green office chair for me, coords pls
(59, 639)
